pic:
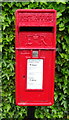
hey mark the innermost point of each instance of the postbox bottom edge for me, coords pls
(35, 104)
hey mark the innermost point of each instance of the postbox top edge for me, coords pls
(35, 10)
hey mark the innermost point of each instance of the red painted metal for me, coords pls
(35, 31)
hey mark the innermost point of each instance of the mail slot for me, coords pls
(35, 45)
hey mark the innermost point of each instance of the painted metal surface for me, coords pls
(35, 40)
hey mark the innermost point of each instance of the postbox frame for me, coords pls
(19, 48)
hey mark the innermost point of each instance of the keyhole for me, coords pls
(23, 76)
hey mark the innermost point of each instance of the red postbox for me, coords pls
(35, 45)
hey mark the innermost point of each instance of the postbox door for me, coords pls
(32, 96)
